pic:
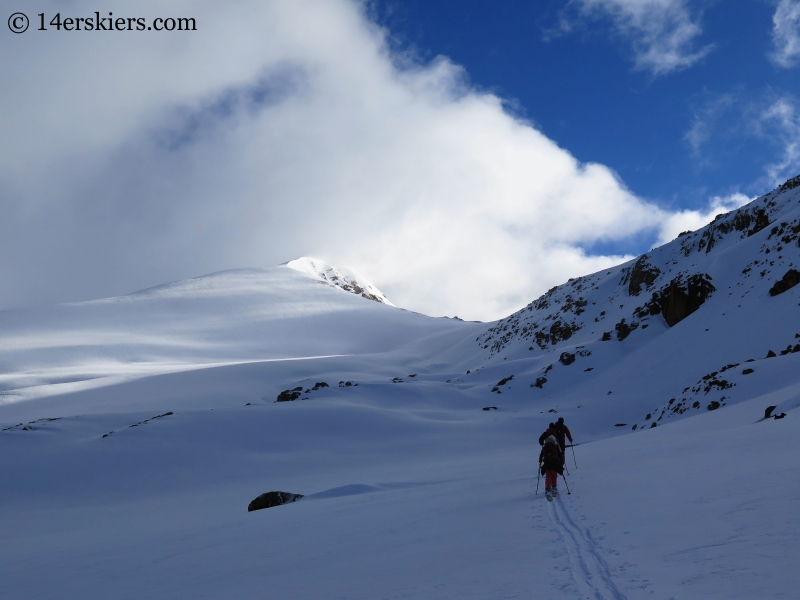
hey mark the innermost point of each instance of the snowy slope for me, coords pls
(345, 279)
(135, 431)
(665, 336)
(229, 317)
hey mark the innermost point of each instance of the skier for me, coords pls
(561, 431)
(551, 430)
(551, 463)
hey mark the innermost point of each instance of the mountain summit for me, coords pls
(345, 279)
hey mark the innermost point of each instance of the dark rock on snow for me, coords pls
(624, 329)
(566, 358)
(790, 279)
(489, 408)
(682, 298)
(642, 274)
(271, 499)
(768, 411)
(289, 395)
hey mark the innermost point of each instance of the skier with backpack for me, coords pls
(551, 463)
(551, 430)
(561, 431)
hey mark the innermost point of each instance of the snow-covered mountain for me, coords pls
(136, 430)
(702, 322)
(344, 279)
(244, 315)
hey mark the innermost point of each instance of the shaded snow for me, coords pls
(136, 430)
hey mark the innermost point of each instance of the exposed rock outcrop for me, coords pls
(683, 296)
(270, 499)
(624, 329)
(289, 395)
(642, 274)
(790, 279)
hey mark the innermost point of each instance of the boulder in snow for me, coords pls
(271, 499)
(566, 358)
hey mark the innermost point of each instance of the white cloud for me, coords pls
(663, 32)
(786, 33)
(282, 129)
(690, 220)
(780, 122)
(704, 121)
(724, 122)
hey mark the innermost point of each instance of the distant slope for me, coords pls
(662, 337)
(232, 316)
(670, 333)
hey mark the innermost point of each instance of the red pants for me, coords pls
(550, 479)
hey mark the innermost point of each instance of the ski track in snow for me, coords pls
(588, 567)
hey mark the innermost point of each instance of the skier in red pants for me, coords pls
(551, 462)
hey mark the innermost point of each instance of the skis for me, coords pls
(551, 494)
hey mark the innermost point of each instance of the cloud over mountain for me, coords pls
(136, 159)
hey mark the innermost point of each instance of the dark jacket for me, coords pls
(561, 431)
(551, 458)
(550, 431)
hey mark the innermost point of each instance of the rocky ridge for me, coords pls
(748, 257)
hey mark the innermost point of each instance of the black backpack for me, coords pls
(551, 451)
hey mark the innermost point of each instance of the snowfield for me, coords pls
(136, 430)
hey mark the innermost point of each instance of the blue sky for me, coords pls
(583, 88)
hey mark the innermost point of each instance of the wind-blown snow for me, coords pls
(136, 430)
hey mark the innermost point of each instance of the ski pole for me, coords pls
(565, 483)
(573, 455)
(538, 475)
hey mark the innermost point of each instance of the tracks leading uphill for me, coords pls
(588, 567)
